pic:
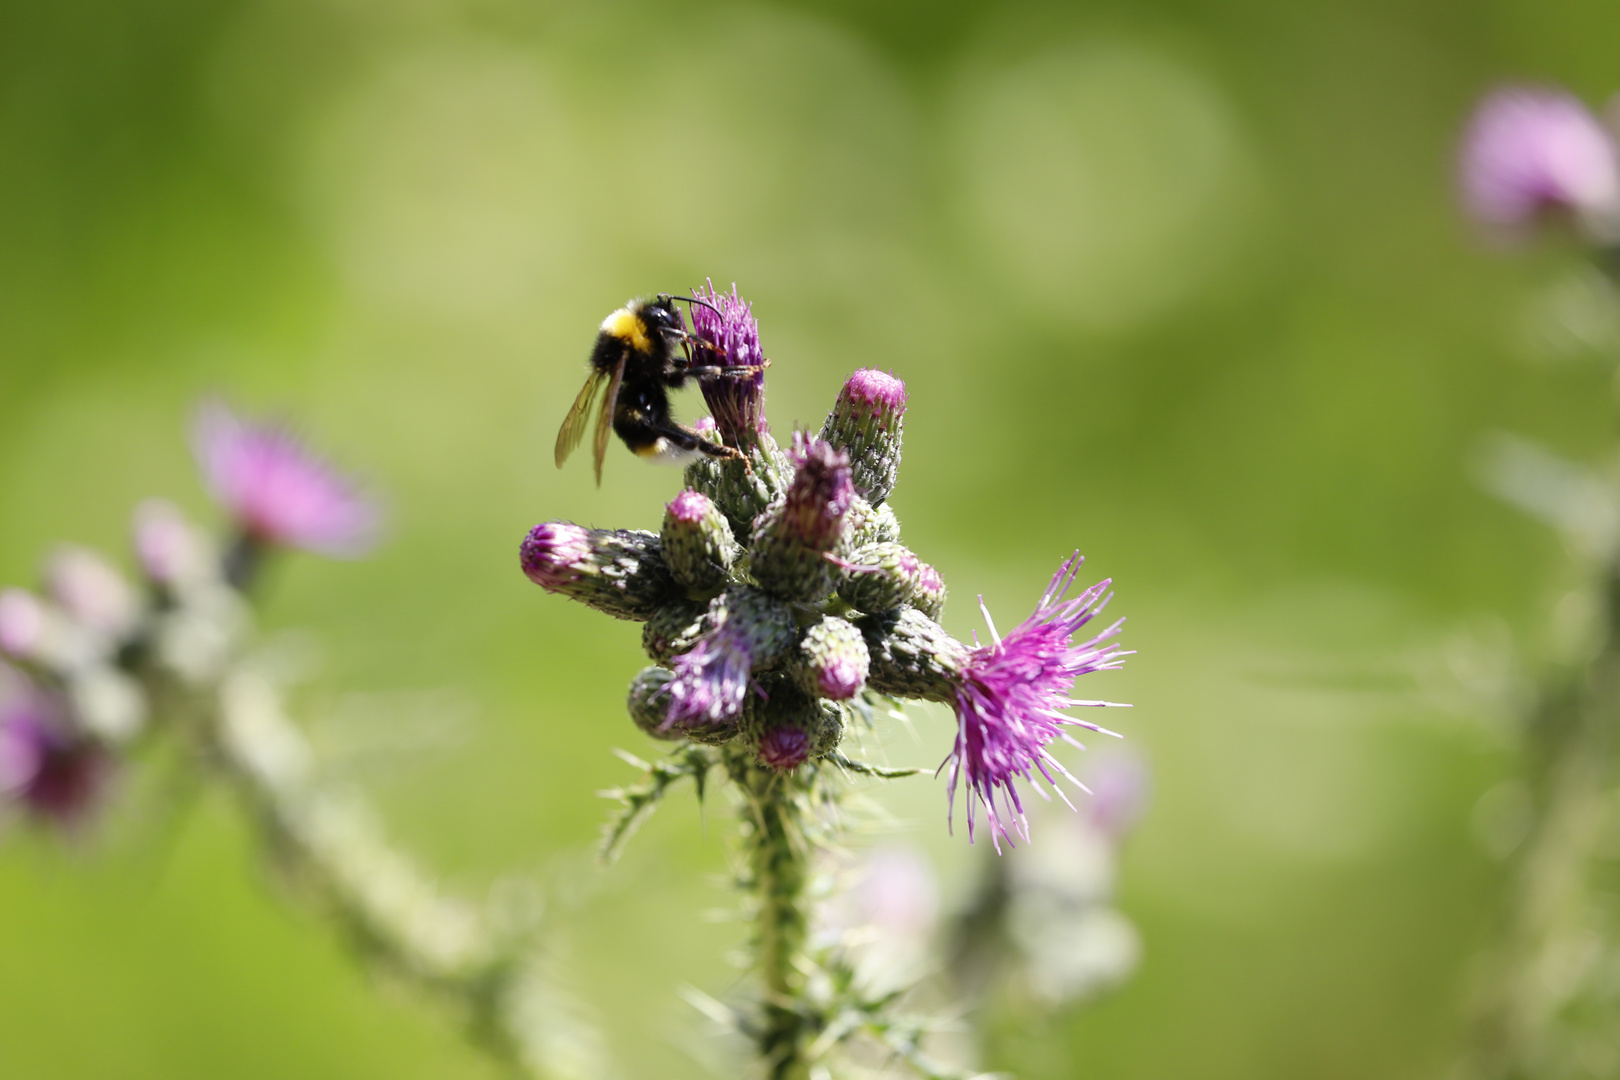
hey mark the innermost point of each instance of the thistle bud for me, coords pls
(930, 596)
(617, 571)
(165, 546)
(649, 703)
(673, 629)
(747, 629)
(912, 656)
(881, 577)
(832, 661)
(23, 622)
(868, 524)
(790, 727)
(866, 423)
(697, 543)
(784, 748)
(794, 536)
(91, 593)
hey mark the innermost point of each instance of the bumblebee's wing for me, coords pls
(573, 425)
(604, 419)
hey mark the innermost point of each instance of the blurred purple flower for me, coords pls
(22, 623)
(898, 892)
(277, 490)
(1011, 697)
(91, 593)
(166, 548)
(1120, 788)
(729, 337)
(1531, 150)
(54, 773)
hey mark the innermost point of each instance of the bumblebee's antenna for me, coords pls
(705, 303)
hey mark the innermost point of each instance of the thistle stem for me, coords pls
(1571, 768)
(778, 869)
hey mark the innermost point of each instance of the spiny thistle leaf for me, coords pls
(849, 764)
(640, 800)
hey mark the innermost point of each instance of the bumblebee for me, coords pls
(642, 352)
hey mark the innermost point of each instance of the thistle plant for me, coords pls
(781, 614)
(98, 672)
(780, 609)
(1537, 159)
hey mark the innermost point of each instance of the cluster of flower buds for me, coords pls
(777, 591)
(1533, 152)
(87, 657)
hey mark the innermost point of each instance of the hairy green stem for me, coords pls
(778, 870)
(394, 916)
(1570, 773)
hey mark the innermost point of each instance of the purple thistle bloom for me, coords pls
(876, 393)
(711, 681)
(1120, 788)
(690, 507)
(555, 553)
(278, 491)
(1011, 697)
(820, 494)
(730, 338)
(1531, 150)
(842, 677)
(55, 774)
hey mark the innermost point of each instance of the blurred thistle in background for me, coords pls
(1550, 1000)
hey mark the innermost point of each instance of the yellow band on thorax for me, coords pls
(626, 325)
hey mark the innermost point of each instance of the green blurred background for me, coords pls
(1177, 282)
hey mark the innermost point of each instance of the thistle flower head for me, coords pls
(555, 554)
(697, 542)
(712, 679)
(728, 336)
(784, 748)
(1531, 150)
(832, 660)
(617, 571)
(51, 771)
(648, 702)
(797, 532)
(1011, 697)
(278, 491)
(867, 422)
(821, 492)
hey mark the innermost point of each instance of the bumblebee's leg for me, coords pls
(678, 441)
(713, 371)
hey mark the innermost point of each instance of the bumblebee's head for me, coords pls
(650, 326)
(663, 316)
